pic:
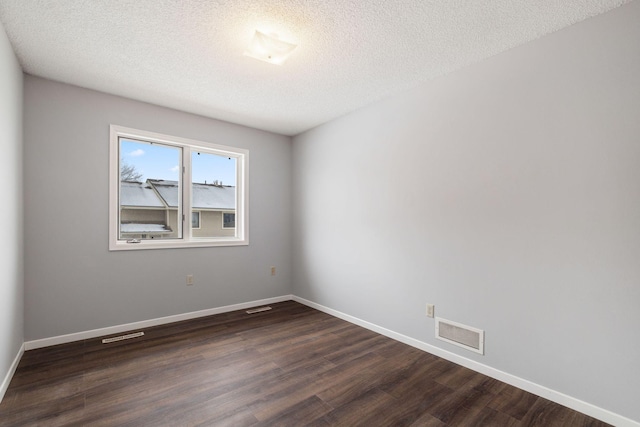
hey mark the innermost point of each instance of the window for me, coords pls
(195, 219)
(159, 182)
(228, 220)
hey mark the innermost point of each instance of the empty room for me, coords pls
(331, 213)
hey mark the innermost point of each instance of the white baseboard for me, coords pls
(539, 390)
(94, 333)
(12, 370)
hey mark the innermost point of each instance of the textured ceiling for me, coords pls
(188, 54)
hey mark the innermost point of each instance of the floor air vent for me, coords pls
(460, 335)
(122, 337)
(258, 310)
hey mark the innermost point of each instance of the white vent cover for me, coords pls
(258, 310)
(461, 335)
(122, 337)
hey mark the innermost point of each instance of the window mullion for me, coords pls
(187, 195)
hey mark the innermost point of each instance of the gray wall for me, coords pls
(507, 194)
(11, 261)
(72, 282)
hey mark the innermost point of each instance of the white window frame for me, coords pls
(241, 156)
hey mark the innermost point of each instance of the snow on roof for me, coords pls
(168, 190)
(205, 196)
(138, 194)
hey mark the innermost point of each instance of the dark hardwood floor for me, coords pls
(291, 366)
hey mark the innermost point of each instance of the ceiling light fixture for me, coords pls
(269, 48)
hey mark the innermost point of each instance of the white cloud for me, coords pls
(176, 168)
(136, 153)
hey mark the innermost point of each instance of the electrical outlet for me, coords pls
(189, 279)
(430, 309)
(273, 271)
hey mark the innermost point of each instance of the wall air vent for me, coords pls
(460, 335)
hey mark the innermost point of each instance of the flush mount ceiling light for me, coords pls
(269, 48)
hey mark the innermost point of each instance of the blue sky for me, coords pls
(158, 161)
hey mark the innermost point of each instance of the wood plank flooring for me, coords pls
(291, 366)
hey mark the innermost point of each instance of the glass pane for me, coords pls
(228, 220)
(213, 192)
(195, 219)
(149, 191)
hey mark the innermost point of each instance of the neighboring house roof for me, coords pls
(205, 196)
(139, 194)
(168, 190)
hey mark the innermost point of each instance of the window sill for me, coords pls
(122, 245)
